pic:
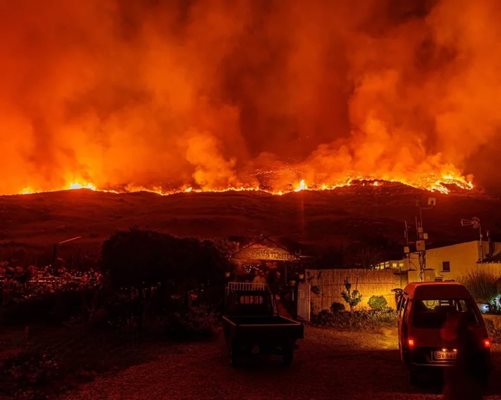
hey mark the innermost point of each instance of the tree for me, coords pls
(137, 257)
(352, 297)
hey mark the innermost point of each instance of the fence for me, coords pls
(327, 285)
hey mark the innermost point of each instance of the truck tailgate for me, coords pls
(265, 328)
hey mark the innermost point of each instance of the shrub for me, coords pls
(323, 318)
(54, 307)
(198, 323)
(29, 370)
(337, 307)
(358, 320)
(482, 286)
(352, 297)
(139, 258)
(377, 302)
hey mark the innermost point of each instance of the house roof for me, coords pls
(265, 249)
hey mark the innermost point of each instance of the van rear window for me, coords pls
(432, 313)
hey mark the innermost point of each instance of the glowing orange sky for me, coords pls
(218, 94)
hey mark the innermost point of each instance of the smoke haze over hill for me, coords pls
(217, 94)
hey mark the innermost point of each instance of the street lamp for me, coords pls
(56, 246)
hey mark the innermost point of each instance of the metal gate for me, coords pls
(303, 301)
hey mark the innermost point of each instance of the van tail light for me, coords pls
(411, 343)
(487, 343)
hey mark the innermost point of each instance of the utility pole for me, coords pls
(422, 236)
(407, 252)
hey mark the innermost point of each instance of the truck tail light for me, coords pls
(487, 343)
(411, 343)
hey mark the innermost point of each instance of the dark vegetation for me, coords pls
(351, 297)
(358, 320)
(485, 288)
(353, 226)
(377, 302)
(152, 287)
(379, 315)
(138, 257)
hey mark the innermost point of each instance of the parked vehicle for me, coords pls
(439, 324)
(251, 323)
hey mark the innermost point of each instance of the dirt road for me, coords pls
(328, 365)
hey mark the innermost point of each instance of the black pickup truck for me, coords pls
(251, 323)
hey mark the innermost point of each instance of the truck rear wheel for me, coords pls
(235, 354)
(415, 376)
(288, 355)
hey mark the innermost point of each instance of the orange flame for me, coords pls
(78, 185)
(246, 96)
(301, 186)
(442, 185)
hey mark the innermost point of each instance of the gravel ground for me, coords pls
(328, 365)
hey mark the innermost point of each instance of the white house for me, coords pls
(451, 262)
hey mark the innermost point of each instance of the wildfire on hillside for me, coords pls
(278, 96)
(441, 186)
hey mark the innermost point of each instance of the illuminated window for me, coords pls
(446, 266)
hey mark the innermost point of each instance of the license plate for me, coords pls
(444, 355)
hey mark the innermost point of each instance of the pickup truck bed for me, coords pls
(252, 323)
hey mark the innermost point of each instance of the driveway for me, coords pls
(329, 364)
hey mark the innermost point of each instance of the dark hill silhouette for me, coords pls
(360, 215)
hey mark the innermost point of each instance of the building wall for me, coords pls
(462, 258)
(327, 285)
(458, 274)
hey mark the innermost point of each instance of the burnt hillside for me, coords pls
(316, 221)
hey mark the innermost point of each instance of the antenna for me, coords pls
(474, 222)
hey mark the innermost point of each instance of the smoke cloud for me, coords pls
(228, 93)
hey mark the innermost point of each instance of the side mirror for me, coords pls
(399, 297)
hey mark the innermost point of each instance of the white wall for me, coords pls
(462, 258)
